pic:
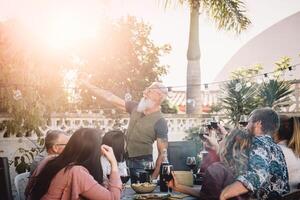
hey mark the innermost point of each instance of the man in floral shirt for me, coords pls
(267, 174)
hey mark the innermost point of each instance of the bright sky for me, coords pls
(169, 26)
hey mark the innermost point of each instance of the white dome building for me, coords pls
(281, 39)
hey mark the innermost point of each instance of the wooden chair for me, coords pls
(294, 195)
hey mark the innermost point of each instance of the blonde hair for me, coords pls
(294, 142)
(234, 153)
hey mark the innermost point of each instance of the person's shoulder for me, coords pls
(264, 142)
(79, 169)
(161, 122)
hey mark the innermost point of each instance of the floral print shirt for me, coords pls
(267, 171)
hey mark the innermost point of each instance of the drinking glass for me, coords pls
(149, 167)
(243, 120)
(214, 122)
(208, 123)
(202, 131)
(125, 175)
(191, 162)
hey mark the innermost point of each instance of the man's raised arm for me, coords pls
(104, 94)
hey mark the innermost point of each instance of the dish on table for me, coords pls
(142, 188)
(151, 196)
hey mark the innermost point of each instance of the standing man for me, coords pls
(267, 175)
(146, 126)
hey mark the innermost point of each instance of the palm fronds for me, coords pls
(275, 92)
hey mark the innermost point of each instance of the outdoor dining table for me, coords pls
(129, 193)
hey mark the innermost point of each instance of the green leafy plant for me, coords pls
(275, 93)
(241, 95)
(25, 157)
(239, 98)
(167, 108)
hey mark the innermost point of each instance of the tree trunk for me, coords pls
(193, 91)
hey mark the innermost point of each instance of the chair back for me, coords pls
(293, 195)
(21, 181)
(5, 184)
(178, 152)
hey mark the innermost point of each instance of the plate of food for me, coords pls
(142, 188)
(151, 196)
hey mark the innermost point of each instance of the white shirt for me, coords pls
(106, 167)
(293, 164)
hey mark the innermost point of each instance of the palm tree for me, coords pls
(275, 93)
(228, 15)
(239, 98)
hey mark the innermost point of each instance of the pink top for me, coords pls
(76, 182)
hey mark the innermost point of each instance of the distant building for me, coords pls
(281, 39)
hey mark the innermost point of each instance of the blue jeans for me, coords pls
(137, 165)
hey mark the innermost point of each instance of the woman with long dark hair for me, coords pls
(77, 172)
(116, 140)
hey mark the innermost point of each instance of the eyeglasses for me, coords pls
(61, 144)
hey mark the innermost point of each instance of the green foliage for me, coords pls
(121, 59)
(239, 98)
(281, 65)
(275, 93)
(26, 156)
(242, 73)
(130, 61)
(167, 109)
(193, 135)
(227, 14)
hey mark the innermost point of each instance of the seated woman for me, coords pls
(116, 140)
(288, 138)
(211, 143)
(77, 172)
(233, 152)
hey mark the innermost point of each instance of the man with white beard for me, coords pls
(146, 126)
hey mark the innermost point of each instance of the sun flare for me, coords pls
(67, 31)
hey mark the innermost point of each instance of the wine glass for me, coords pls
(125, 175)
(191, 162)
(208, 123)
(202, 132)
(149, 167)
(214, 122)
(243, 120)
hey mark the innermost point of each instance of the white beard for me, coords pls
(144, 104)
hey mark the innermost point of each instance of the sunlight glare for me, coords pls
(70, 77)
(66, 31)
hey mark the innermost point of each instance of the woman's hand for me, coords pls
(108, 152)
(222, 130)
(212, 140)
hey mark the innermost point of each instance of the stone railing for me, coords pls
(72, 121)
(11, 147)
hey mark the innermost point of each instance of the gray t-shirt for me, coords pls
(160, 127)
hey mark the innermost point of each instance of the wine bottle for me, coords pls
(162, 177)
